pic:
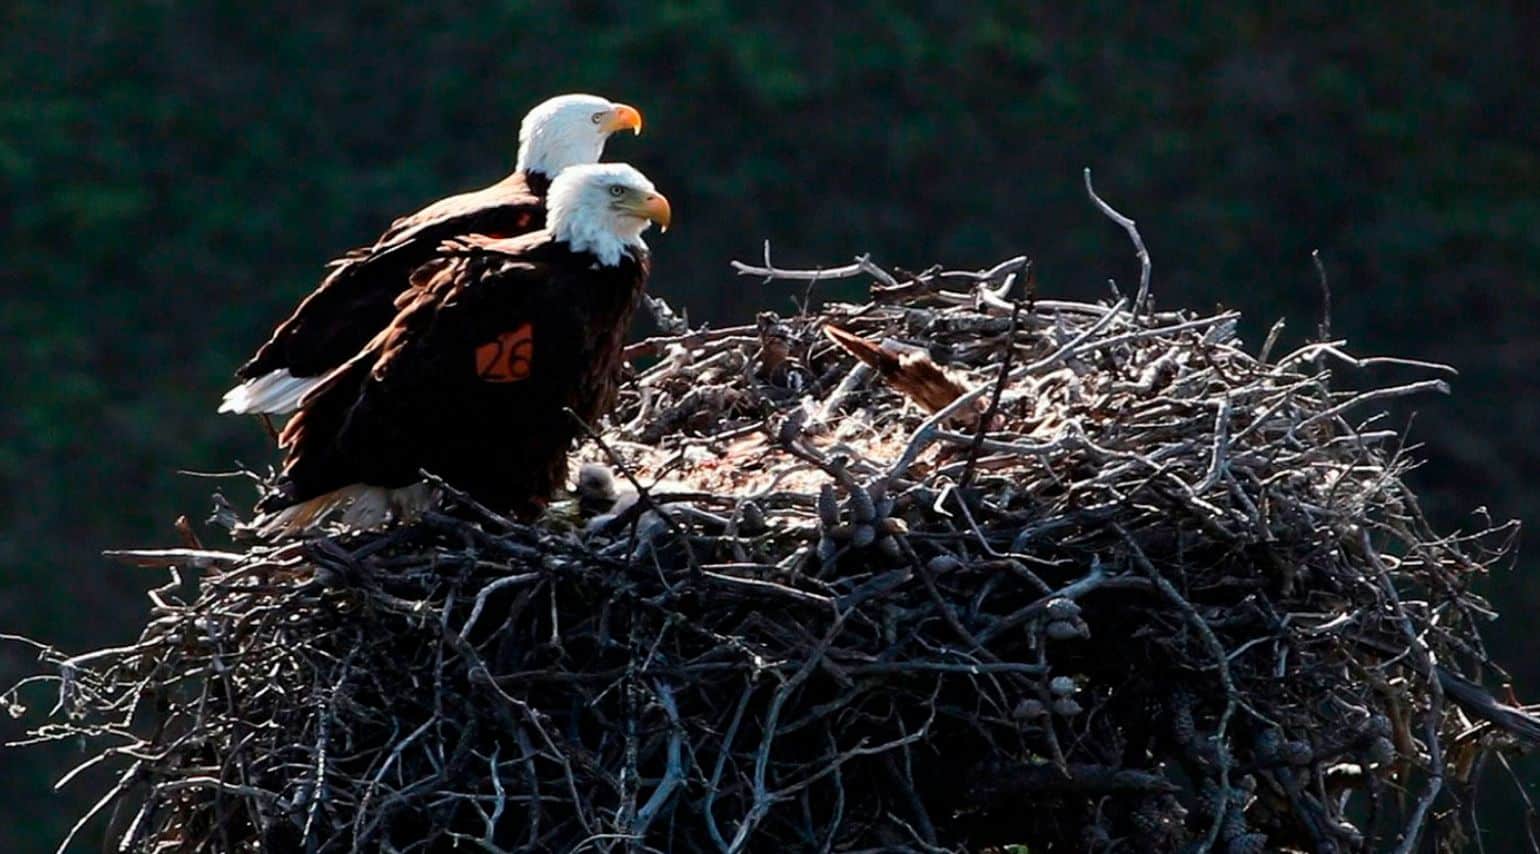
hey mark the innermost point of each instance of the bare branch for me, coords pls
(1141, 298)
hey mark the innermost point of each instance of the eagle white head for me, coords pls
(569, 130)
(603, 208)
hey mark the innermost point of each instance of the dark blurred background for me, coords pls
(174, 174)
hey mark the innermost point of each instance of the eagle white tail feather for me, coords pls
(362, 507)
(273, 393)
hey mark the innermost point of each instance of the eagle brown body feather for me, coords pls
(472, 377)
(910, 370)
(357, 298)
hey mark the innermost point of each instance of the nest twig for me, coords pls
(1134, 589)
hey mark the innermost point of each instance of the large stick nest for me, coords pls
(1137, 589)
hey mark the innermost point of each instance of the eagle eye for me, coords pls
(617, 190)
(596, 118)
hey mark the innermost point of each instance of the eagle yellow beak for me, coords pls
(655, 208)
(621, 117)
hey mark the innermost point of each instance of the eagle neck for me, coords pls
(548, 151)
(585, 235)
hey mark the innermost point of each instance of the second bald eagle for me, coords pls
(473, 379)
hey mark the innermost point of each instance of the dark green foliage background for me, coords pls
(173, 175)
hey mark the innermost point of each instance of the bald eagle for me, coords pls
(355, 300)
(495, 340)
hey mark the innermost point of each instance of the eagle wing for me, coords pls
(358, 297)
(471, 213)
(457, 382)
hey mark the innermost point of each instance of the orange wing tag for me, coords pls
(506, 359)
